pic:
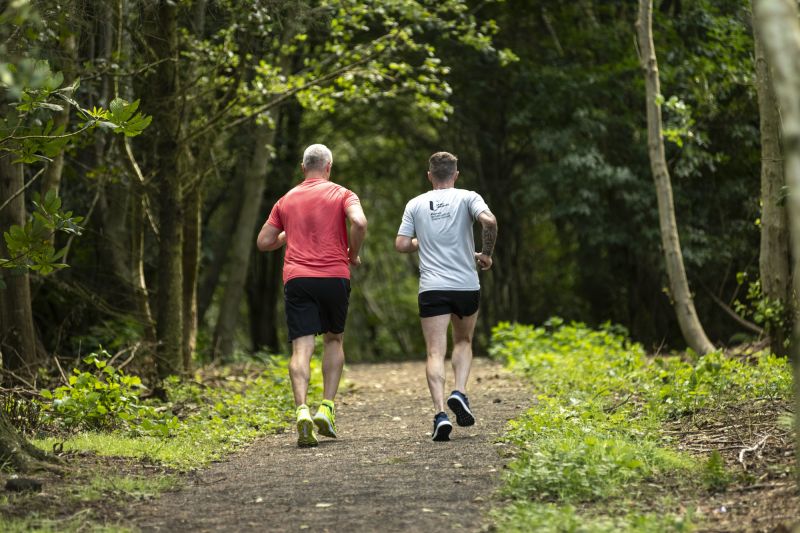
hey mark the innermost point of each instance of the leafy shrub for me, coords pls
(595, 428)
(102, 398)
(217, 414)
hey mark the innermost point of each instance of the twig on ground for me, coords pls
(612, 408)
(753, 448)
(61, 370)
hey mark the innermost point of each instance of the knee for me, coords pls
(297, 366)
(435, 354)
(333, 338)
(463, 340)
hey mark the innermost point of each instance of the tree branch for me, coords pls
(24, 187)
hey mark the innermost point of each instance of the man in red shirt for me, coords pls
(310, 221)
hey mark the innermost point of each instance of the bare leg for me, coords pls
(463, 328)
(332, 364)
(300, 367)
(434, 329)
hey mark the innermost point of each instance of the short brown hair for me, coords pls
(442, 166)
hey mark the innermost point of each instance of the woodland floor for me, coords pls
(384, 474)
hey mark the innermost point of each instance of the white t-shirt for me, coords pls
(442, 221)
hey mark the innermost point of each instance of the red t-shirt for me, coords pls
(313, 217)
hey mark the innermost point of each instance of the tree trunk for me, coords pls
(18, 453)
(683, 303)
(219, 248)
(166, 123)
(137, 279)
(243, 241)
(263, 294)
(777, 21)
(191, 264)
(192, 226)
(51, 180)
(265, 284)
(774, 257)
(17, 335)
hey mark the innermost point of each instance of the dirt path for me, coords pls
(382, 474)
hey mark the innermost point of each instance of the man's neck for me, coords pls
(316, 176)
(446, 185)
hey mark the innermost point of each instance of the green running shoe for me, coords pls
(325, 419)
(305, 428)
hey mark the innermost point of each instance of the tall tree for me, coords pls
(683, 302)
(17, 334)
(777, 20)
(774, 257)
(71, 12)
(242, 239)
(163, 40)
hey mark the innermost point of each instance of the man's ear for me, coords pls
(455, 179)
(303, 168)
(430, 178)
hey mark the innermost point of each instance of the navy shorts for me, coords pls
(316, 305)
(460, 303)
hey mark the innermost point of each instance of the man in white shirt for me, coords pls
(439, 224)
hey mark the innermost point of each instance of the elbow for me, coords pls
(360, 223)
(260, 245)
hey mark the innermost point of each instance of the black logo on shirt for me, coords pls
(436, 206)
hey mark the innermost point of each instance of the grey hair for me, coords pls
(316, 157)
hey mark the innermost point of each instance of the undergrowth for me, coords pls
(104, 414)
(593, 438)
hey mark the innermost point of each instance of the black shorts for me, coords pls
(316, 305)
(461, 303)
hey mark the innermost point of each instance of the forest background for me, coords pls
(542, 101)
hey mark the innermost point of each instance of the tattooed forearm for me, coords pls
(489, 238)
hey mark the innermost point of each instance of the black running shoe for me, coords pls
(459, 404)
(441, 427)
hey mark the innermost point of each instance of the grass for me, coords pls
(214, 420)
(525, 517)
(218, 412)
(129, 487)
(594, 437)
(47, 525)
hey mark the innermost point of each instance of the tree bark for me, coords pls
(166, 123)
(683, 302)
(777, 21)
(17, 334)
(19, 453)
(243, 241)
(774, 256)
(192, 226)
(51, 180)
(191, 264)
(219, 249)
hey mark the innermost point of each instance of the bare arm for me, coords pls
(358, 232)
(406, 245)
(489, 237)
(270, 238)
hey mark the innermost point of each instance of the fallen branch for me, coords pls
(752, 448)
(731, 313)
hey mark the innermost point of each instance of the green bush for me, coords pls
(103, 398)
(595, 429)
(215, 416)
